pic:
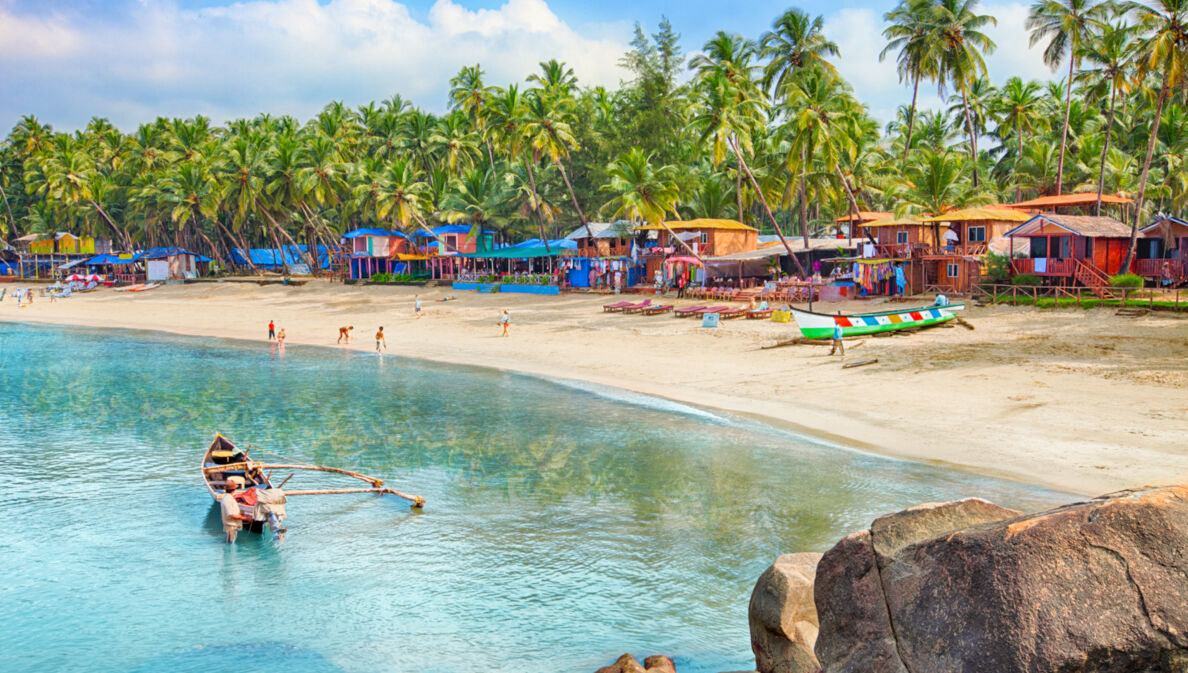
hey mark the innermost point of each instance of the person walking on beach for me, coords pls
(345, 333)
(271, 330)
(379, 340)
(838, 346)
(505, 320)
(417, 305)
(681, 287)
(233, 516)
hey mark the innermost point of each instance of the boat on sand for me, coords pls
(820, 325)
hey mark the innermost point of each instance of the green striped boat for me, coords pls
(820, 325)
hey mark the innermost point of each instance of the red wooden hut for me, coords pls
(1070, 249)
(1162, 252)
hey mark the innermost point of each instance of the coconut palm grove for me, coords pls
(759, 128)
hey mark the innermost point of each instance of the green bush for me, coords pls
(1126, 280)
(1026, 279)
(998, 268)
(381, 277)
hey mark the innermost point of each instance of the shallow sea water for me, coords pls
(564, 525)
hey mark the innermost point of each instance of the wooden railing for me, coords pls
(1052, 266)
(1162, 269)
(916, 250)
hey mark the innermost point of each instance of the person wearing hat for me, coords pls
(233, 516)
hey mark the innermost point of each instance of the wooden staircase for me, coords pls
(1094, 279)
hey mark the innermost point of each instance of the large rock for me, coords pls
(783, 618)
(1093, 587)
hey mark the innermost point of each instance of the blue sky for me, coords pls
(132, 60)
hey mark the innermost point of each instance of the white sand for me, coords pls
(1083, 401)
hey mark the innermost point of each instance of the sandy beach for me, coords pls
(1082, 401)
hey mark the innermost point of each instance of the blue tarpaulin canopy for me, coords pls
(162, 253)
(269, 258)
(533, 247)
(373, 232)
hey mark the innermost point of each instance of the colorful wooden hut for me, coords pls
(955, 261)
(1070, 249)
(855, 221)
(375, 251)
(1161, 253)
(707, 237)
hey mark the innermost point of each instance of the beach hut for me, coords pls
(1070, 249)
(707, 237)
(1162, 251)
(163, 264)
(954, 261)
(897, 237)
(375, 251)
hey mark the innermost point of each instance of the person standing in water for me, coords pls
(505, 320)
(379, 340)
(233, 516)
(280, 338)
(271, 330)
(417, 305)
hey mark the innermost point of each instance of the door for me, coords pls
(1116, 252)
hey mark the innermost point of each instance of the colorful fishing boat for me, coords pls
(223, 462)
(820, 325)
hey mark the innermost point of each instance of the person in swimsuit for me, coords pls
(345, 333)
(280, 338)
(417, 305)
(379, 340)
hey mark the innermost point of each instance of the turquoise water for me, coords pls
(563, 526)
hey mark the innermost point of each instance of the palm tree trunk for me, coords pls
(11, 219)
(573, 196)
(738, 192)
(247, 252)
(1138, 206)
(1064, 132)
(1105, 150)
(111, 222)
(779, 232)
(1018, 159)
(297, 248)
(536, 198)
(973, 141)
(850, 195)
(907, 144)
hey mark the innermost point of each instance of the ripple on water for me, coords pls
(565, 522)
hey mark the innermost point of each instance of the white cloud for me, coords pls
(859, 35)
(280, 57)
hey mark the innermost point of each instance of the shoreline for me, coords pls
(1001, 430)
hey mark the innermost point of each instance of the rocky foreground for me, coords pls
(970, 587)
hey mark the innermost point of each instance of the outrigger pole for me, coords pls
(377, 485)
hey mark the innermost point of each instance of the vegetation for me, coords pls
(1126, 280)
(765, 131)
(1027, 279)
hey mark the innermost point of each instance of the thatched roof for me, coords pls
(1090, 226)
(982, 214)
(705, 223)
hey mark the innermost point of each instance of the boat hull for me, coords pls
(215, 479)
(821, 326)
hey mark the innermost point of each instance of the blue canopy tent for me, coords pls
(271, 258)
(533, 247)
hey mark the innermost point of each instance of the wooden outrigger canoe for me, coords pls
(223, 460)
(820, 325)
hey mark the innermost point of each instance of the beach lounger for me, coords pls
(612, 308)
(656, 309)
(712, 309)
(731, 313)
(759, 313)
(687, 311)
(636, 308)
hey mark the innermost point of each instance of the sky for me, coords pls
(131, 61)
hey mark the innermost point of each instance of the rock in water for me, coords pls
(783, 618)
(1093, 587)
(627, 664)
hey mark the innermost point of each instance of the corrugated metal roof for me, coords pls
(863, 216)
(1067, 200)
(905, 221)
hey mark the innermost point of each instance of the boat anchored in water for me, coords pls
(262, 502)
(820, 325)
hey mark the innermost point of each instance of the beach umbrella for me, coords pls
(74, 276)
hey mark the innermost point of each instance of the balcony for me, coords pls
(1162, 269)
(1049, 266)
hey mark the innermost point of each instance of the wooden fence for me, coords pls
(1031, 294)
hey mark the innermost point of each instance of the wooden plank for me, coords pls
(863, 363)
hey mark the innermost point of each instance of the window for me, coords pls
(901, 237)
(952, 270)
(976, 235)
(704, 238)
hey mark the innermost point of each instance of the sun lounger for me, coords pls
(636, 308)
(612, 308)
(687, 311)
(731, 313)
(655, 309)
(712, 309)
(759, 313)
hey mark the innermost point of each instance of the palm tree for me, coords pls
(960, 43)
(478, 198)
(910, 31)
(1019, 109)
(548, 134)
(1067, 25)
(795, 42)
(1163, 51)
(1111, 50)
(642, 193)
